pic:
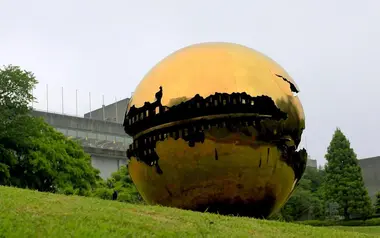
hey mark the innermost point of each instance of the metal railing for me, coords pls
(71, 102)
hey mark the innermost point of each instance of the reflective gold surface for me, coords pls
(192, 176)
(230, 171)
(215, 67)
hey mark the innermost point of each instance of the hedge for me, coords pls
(369, 222)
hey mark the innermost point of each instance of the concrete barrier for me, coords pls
(371, 174)
(80, 123)
(107, 161)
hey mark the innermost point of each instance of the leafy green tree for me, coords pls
(122, 183)
(305, 202)
(377, 203)
(58, 164)
(314, 177)
(302, 205)
(344, 183)
(16, 86)
(32, 153)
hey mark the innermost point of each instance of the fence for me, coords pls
(73, 102)
(79, 103)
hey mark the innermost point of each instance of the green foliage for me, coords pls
(15, 95)
(369, 222)
(16, 87)
(305, 202)
(62, 161)
(50, 162)
(103, 193)
(377, 203)
(314, 177)
(122, 183)
(32, 153)
(343, 183)
(303, 205)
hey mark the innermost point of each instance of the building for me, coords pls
(311, 163)
(371, 174)
(100, 132)
(105, 141)
(113, 112)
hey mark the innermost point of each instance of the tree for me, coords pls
(57, 164)
(32, 153)
(315, 177)
(16, 87)
(15, 95)
(344, 183)
(377, 203)
(305, 202)
(122, 183)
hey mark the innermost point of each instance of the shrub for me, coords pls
(369, 222)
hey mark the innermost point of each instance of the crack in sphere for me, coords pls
(216, 127)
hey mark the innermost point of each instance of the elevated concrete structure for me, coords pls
(105, 141)
(80, 123)
(106, 160)
(311, 163)
(371, 174)
(113, 112)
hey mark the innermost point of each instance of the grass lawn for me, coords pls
(25, 213)
(375, 230)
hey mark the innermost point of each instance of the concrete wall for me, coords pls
(113, 112)
(80, 123)
(371, 174)
(311, 163)
(107, 161)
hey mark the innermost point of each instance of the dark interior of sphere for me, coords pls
(237, 207)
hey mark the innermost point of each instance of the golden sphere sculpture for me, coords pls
(216, 127)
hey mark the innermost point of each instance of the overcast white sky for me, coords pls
(331, 49)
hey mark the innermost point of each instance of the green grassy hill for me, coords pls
(25, 213)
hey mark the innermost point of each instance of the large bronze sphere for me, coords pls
(216, 127)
